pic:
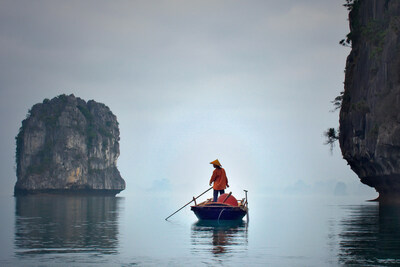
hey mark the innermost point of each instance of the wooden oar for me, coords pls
(190, 202)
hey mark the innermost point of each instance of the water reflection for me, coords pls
(219, 238)
(65, 224)
(371, 235)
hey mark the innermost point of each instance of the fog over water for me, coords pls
(249, 83)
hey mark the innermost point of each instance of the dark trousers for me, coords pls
(216, 194)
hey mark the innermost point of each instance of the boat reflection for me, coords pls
(371, 236)
(66, 224)
(219, 238)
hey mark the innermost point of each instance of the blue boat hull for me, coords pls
(219, 212)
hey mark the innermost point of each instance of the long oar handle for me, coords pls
(190, 202)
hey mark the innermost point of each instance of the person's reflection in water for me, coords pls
(64, 224)
(371, 235)
(219, 241)
(220, 238)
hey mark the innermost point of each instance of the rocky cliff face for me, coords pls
(66, 145)
(370, 112)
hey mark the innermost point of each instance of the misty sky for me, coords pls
(247, 82)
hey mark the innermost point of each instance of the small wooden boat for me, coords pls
(226, 208)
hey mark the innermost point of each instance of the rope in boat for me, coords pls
(220, 214)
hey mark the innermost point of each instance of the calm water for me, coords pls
(131, 231)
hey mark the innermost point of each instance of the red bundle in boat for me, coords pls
(231, 200)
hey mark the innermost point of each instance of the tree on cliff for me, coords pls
(332, 134)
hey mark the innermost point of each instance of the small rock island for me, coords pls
(68, 146)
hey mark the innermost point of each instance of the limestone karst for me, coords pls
(68, 145)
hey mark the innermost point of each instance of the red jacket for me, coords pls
(219, 178)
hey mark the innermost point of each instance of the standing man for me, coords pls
(219, 178)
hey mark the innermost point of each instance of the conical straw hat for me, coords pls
(216, 162)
